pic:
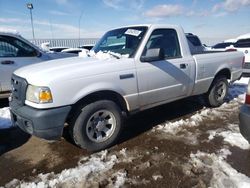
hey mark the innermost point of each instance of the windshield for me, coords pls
(124, 41)
(243, 43)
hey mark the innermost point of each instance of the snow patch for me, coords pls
(223, 173)
(104, 55)
(5, 121)
(84, 174)
(120, 179)
(231, 136)
(197, 119)
(243, 80)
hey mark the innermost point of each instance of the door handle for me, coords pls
(7, 62)
(183, 66)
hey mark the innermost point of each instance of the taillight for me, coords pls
(231, 50)
(248, 94)
(247, 99)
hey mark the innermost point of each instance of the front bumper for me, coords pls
(43, 123)
(244, 125)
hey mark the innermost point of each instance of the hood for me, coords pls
(71, 68)
(58, 55)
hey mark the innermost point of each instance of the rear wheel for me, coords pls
(97, 126)
(217, 92)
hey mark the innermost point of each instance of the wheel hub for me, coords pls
(220, 91)
(101, 126)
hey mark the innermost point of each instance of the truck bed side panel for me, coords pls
(209, 65)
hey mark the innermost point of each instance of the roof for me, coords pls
(9, 31)
(149, 25)
(230, 40)
(245, 36)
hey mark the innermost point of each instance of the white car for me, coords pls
(243, 45)
(16, 52)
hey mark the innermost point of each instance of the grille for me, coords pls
(19, 86)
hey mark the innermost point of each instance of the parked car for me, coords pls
(221, 46)
(243, 45)
(87, 46)
(16, 52)
(129, 70)
(57, 49)
(244, 116)
(194, 43)
(75, 50)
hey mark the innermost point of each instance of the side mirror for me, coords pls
(153, 54)
(38, 53)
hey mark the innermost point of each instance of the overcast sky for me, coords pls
(60, 18)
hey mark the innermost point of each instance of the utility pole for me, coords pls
(79, 29)
(30, 7)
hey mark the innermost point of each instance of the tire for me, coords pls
(97, 125)
(217, 92)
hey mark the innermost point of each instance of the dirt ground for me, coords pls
(151, 157)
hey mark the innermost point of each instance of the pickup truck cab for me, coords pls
(130, 69)
(16, 52)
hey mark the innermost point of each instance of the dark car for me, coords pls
(244, 116)
(87, 46)
(222, 45)
(57, 49)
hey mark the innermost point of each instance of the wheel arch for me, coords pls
(223, 72)
(100, 95)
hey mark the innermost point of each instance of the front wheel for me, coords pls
(217, 92)
(97, 126)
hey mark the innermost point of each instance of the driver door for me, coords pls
(164, 80)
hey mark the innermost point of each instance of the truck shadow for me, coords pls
(12, 138)
(4, 103)
(146, 120)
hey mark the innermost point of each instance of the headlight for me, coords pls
(38, 94)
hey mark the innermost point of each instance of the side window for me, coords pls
(194, 40)
(167, 40)
(243, 43)
(12, 47)
(7, 50)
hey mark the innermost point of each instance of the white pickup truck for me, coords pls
(16, 52)
(129, 70)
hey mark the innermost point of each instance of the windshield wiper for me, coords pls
(116, 55)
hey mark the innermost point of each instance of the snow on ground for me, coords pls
(5, 118)
(224, 175)
(231, 136)
(243, 80)
(90, 171)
